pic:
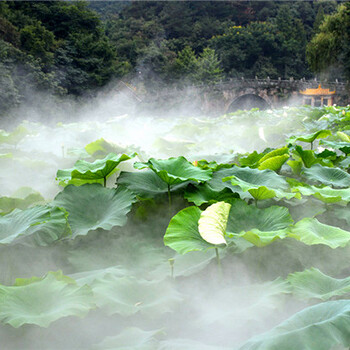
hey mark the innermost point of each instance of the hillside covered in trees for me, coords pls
(75, 48)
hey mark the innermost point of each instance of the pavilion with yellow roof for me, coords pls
(318, 97)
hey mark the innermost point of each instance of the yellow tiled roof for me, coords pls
(318, 91)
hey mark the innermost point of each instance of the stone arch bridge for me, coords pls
(234, 94)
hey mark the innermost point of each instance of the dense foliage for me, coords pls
(329, 51)
(75, 48)
(54, 47)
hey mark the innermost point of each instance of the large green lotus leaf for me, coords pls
(308, 157)
(313, 284)
(296, 166)
(176, 170)
(217, 184)
(129, 295)
(42, 224)
(321, 134)
(182, 233)
(251, 160)
(146, 184)
(325, 194)
(7, 204)
(43, 301)
(275, 153)
(261, 184)
(130, 339)
(212, 223)
(329, 176)
(203, 193)
(102, 147)
(343, 146)
(93, 206)
(274, 163)
(258, 226)
(310, 231)
(318, 327)
(274, 159)
(99, 169)
(213, 164)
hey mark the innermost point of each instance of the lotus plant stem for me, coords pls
(256, 202)
(172, 262)
(311, 145)
(218, 259)
(169, 196)
(105, 181)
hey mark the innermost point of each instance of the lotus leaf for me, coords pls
(14, 137)
(344, 137)
(318, 327)
(130, 339)
(258, 226)
(101, 147)
(325, 194)
(42, 224)
(343, 146)
(43, 301)
(92, 206)
(321, 134)
(203, 193)
(296, 166)
(328, 176)
(274, 163)
(146, 184)
(99, 169)
(313, 284)
(182, 233)
(7, 204)
(273, 160)
(174, 171)
(217, 184)
(308, 157)
(218, 162)
(6, 155)
(251, 160)
(261, 184)
(212, 223)
(129, 295)
(275, 153)
(310, 231)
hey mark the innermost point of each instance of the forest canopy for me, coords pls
(75, 48)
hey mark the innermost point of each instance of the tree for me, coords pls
(38, 41)
(319, 19)
(208, 70)
(329, 51)
(185, 65)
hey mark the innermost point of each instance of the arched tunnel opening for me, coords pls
(247, 102)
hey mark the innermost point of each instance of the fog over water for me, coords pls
(201, 307)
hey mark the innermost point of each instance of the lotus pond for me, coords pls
(218, 233)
